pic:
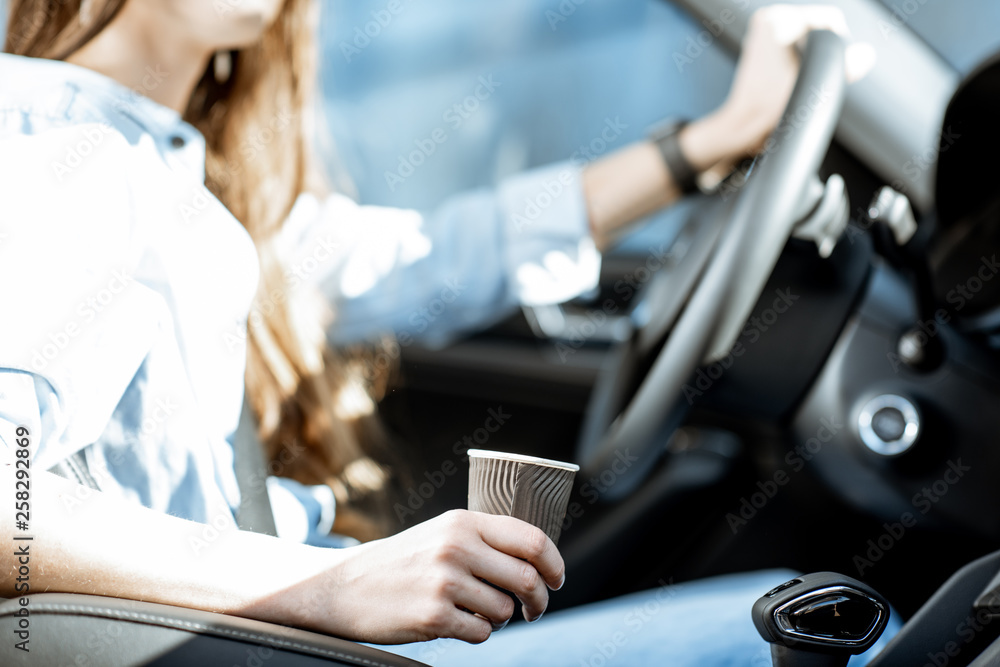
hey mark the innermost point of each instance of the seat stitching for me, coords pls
(49, 606)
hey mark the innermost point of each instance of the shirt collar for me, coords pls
(179, 142)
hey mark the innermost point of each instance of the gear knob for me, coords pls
(820, 620)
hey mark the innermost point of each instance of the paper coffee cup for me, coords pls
(525, 487)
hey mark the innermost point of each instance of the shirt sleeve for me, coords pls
(462, 267)
(305, 513)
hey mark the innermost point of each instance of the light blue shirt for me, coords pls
(125, 286)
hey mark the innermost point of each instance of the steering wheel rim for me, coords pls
(761, 222)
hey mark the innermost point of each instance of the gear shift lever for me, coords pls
(820, 620)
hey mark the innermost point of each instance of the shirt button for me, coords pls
(177, 141)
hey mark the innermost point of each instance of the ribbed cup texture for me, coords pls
(534, 493)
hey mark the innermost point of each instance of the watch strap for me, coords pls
(668, 141)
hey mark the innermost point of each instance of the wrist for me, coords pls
(294, 585)
(718, 138)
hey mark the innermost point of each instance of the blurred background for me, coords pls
(560, 80)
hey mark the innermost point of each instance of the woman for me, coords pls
(138, 303)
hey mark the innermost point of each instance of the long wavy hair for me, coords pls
(315, 407)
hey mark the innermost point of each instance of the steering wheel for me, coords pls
(723, 274)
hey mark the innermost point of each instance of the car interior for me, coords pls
(797, 369)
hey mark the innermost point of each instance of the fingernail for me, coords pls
(501, 626)
(532, 620)
(561, 582)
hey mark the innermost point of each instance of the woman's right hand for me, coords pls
(417, 585)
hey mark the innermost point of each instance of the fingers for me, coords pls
(861, 59)
(790, 24)
(504, 551)
(455, 623)
(824, 17)
(482, 599)
(522, 540)
(517, 576)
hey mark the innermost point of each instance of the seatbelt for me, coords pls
(74, 468)
(254, 513)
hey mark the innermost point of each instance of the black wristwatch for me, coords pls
(667, 138)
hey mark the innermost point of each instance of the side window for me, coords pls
(433, 99)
